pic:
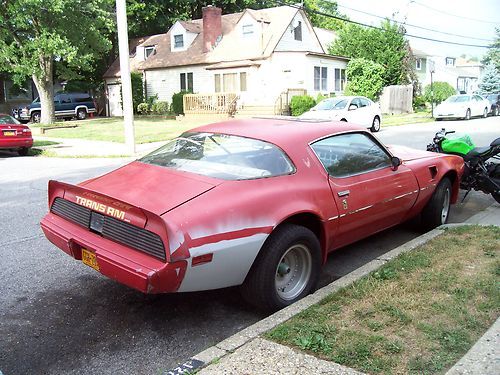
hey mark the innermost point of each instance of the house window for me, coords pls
(187, 82)
(450, 61)
(340, 79)
(247, 29)
(178, 41)
(148, 51)
(418, 64)
(229, 82)
(320, 78)
(297, 32)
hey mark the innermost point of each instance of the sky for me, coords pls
(467, 19)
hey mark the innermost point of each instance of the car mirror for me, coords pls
(395, 162)
(353, 107)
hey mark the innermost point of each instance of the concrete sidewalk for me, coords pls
(248, 353)
(84, 148)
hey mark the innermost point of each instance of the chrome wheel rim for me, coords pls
(446, 206)
(293, 272)
(376, 124)
(485, 113)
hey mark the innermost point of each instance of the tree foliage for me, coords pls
(385, 46)
(493, 54)
(490, 81)
(43, 38)
(440, 92)
(364, 77)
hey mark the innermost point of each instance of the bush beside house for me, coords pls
(440, 92)
(300, 104)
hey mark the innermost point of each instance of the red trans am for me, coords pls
(14, 135)
(258, 203)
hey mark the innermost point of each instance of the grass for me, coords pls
(418, 314)
(407, 118)
(38, 143)
(112, 129)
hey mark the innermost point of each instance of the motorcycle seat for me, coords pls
(478, 151)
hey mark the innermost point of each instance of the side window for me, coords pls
(350, 154)
(364, 102)
(355, 102)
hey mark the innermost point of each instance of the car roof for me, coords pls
(283, 132)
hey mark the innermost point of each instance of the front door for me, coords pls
(370, 195)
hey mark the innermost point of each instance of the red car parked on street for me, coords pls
(14, 135)
(258, 203)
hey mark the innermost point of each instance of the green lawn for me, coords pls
(406, 118)
(112, 129)
(418, 314)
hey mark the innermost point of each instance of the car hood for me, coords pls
(156, 189)
(407, 153)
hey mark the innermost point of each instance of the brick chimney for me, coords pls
(212, 26)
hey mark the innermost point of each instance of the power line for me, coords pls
(453, 15)
(374, 27)
(415, 26)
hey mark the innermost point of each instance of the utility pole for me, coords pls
(128, 111)
(432, 69)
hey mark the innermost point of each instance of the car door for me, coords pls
(369, 193)
(365, 112)
(354, 113)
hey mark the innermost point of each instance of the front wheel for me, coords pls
(286, 270)
(81, 114)
(437, 210)
(23, 151)
(375, 124)
(35, 117)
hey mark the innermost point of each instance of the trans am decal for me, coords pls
(100, 207)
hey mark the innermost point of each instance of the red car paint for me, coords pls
(14, 135)
(204, 221)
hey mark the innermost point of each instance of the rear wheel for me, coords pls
(437, 210)
(485, 113)
(375, 124)
(286, 270)
(81, 114)
(467, 114)
(23, 151)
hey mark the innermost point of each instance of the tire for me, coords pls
(439, 119)
(437, 210)
(81, 114)
(286, 269)
(467, 115)
(496, 197)
(496, 112)
(23, 151)
(375, 125)
(35, 117)
(485, 113)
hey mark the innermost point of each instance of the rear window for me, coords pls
(221, 156)
(8, 120)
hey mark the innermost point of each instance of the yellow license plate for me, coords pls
(9, 133)
(89, 258)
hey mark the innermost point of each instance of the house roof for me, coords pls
(231, 48)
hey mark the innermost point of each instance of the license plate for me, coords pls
(9, 133)
(89, 258)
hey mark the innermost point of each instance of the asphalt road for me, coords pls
(58, 316)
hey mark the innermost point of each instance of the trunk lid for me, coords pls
(156, 189)
(14, 131)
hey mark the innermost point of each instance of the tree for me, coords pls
(439, 93)
(493, 54)
(364, 77)
(386, 46)
(490, 82)
(42, 39)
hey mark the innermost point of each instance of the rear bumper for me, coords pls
(16, 142)
(127, 266)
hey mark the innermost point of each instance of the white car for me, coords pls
(356, 109)
(462, 106)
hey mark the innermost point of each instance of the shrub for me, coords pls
(440, 92)
(364, 77)
(300, 104)
(137, 90)
(418, 102)
(143, 108)
(160, 108)
(178, 103)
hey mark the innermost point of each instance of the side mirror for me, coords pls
(353, 107)
(395, 162)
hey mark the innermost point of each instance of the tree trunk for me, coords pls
(45, 86)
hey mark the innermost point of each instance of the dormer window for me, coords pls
(247, 29)
(148, 51)
(450, 61)
(179, 41)
(297, 31)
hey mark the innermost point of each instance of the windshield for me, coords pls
(492, 98)
(329, 104)
(458, 99)
(8, 120)
(221, 156)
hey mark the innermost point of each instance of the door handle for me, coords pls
(343, 193)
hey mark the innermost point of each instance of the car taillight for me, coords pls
(26, 131)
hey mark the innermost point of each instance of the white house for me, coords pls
(257, 54)
(460, 73)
